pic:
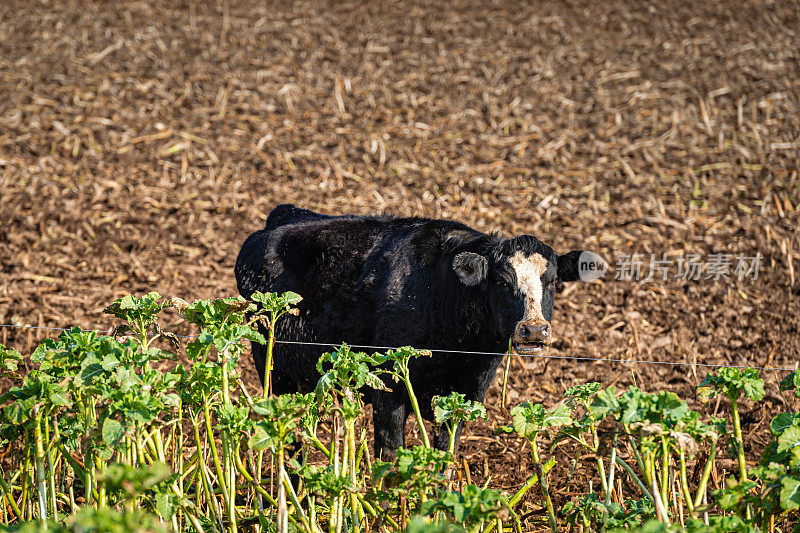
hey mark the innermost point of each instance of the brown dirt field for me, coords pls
(141, 142)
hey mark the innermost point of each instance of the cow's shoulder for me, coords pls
(291, 214)
(431, 241)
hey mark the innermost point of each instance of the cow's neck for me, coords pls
(466, 323)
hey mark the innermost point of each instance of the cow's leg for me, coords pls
(282, 383)
(259, 352)
(389, 417)
(441, 438)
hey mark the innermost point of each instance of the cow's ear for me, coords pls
(581, 265)
(471, 268)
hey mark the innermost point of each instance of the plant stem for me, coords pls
(625, 466)
(543, 483)
(350, 435)
(89, 474)
(40, 475)
(319, 445)
(50, 470)
(230, 498)
(737, 431)
(206, 483)
(505, 377)
(666, 460)
(213, 446)
(601, 469)
(661, 511)
(609, 486)
(513, 514)
(283, 513)
(226, 449)
(292, 496)
(687, 497)
(258, 488)
(701, 489)
(333, 519)
(530, 482)
(415, 406)
(178, 450)
(634, 448)
(268, 366)
(9, 497)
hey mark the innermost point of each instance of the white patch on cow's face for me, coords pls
(529, 270)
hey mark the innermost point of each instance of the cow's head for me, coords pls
(521, 276)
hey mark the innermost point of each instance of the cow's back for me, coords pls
(364, 280)
(318, 256)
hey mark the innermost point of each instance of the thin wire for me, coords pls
(571, 357)
(86, 330)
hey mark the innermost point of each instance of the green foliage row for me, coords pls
(112, 433)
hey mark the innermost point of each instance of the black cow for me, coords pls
(386, 281)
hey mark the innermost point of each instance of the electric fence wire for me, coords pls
(537, 356)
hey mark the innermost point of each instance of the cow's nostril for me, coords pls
(524, 331)
(541, 331)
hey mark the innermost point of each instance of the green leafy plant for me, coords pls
(400, 372)
(453, 410)
(113, 432)
(529, 420)
(593, 514)
(472, 506)
(272, 307)
(732, 383)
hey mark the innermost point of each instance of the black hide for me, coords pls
(385, 281)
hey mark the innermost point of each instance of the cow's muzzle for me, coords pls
(530, 337)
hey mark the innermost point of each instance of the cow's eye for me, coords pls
(555, 285)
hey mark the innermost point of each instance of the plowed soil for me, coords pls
(141, 142)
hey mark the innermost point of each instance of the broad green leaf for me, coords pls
(792, 381)
(456, 408)
(275, 303)
(172, 400)
(41, 352)
(794, 459)
(529, 418)
(374, 382)
(20, 411)
(733, 493)
(789, 439)
(164, 505)
(790, 492)
(113, 431)
(130, 480)
(582, 393)
(90, 372)
(60, 398)
(604, 403)
(731, 382)
(110, 520)
(560, 416)
(783, 421)
(137, 309)
(261, 440)
(9, 359)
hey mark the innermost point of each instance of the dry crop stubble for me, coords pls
(140, 145)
